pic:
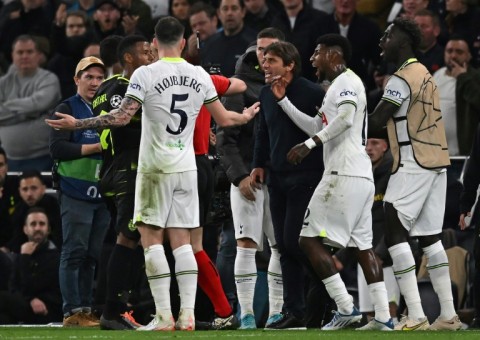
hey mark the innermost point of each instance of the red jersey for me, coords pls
(201, 134)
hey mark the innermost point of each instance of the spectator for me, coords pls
(290, 187)
(9, 197)
(70, 37)
(22, 17)
(458, 86)
(179, 9)
(34, 297)
(203, 19)
(108, 20)
(32, 190)
(260, 13)
(27, 92)
(131, 9)
(86, 6)
(430, 52)
(225, 47)
(85, 218)
(301, 25)
(463, 19)
(406, 9)
(362, 33)
(92, 50)
(250, 210)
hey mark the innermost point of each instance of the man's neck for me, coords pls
(26, 73)
(169, 53)
(428, 48)
(336, 71)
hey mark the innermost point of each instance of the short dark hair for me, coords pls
(201, 6)
(333, 39)
(32, 173)
(169, 30)
(288, 53)
(80, 14)
(272, 33)
(25, 38)
(33, 210)
(410, 28)
(108, 49)
(428, 13)
(127, 45)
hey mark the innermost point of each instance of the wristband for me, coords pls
(310, 143)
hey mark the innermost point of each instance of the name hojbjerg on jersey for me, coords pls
(186, 81)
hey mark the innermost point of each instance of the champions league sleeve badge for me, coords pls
(115, 101)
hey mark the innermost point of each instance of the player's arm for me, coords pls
(236, 86)
(116, 117)
(224, 117)
(309, 125)
(377, 120)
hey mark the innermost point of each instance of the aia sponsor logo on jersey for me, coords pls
(347, 93)
(135, 86)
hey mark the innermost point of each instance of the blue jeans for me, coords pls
(84, 226)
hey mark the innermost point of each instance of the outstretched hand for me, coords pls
(278, 86)
(251, 111)
(298, 153)
(66, 122)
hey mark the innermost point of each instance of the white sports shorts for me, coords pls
(340, 212)
(167, 200)
(419, 199)
(252, 219)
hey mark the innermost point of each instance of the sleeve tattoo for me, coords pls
(116, 117)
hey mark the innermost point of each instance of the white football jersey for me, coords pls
(172, 91)
(397, 92)
(345, 154)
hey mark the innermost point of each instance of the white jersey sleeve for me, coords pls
(309, 125)
(396, 91)
(138, 84)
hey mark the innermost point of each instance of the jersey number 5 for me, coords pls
(181, 113)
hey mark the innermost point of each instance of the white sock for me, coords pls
(275, 283)
(379, 297)
(437, 266)
(338, 292)
(404, 270)
(186, 272)
(158, 274)
(245, 278)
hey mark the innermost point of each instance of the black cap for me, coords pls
(99, 3)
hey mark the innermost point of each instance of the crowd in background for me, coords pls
(42, 42)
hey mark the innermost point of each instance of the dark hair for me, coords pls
(31, 174)
(33, 210)
(410, 29)
(108, 49)
(240, 2)
(127, 45)
(333, 39)
(288, 53)
(25, 38)
(272, 33)
(2, 152)
(202, 7)
(169, 30)
(427, 13)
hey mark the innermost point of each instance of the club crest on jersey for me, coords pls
(115, 101)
